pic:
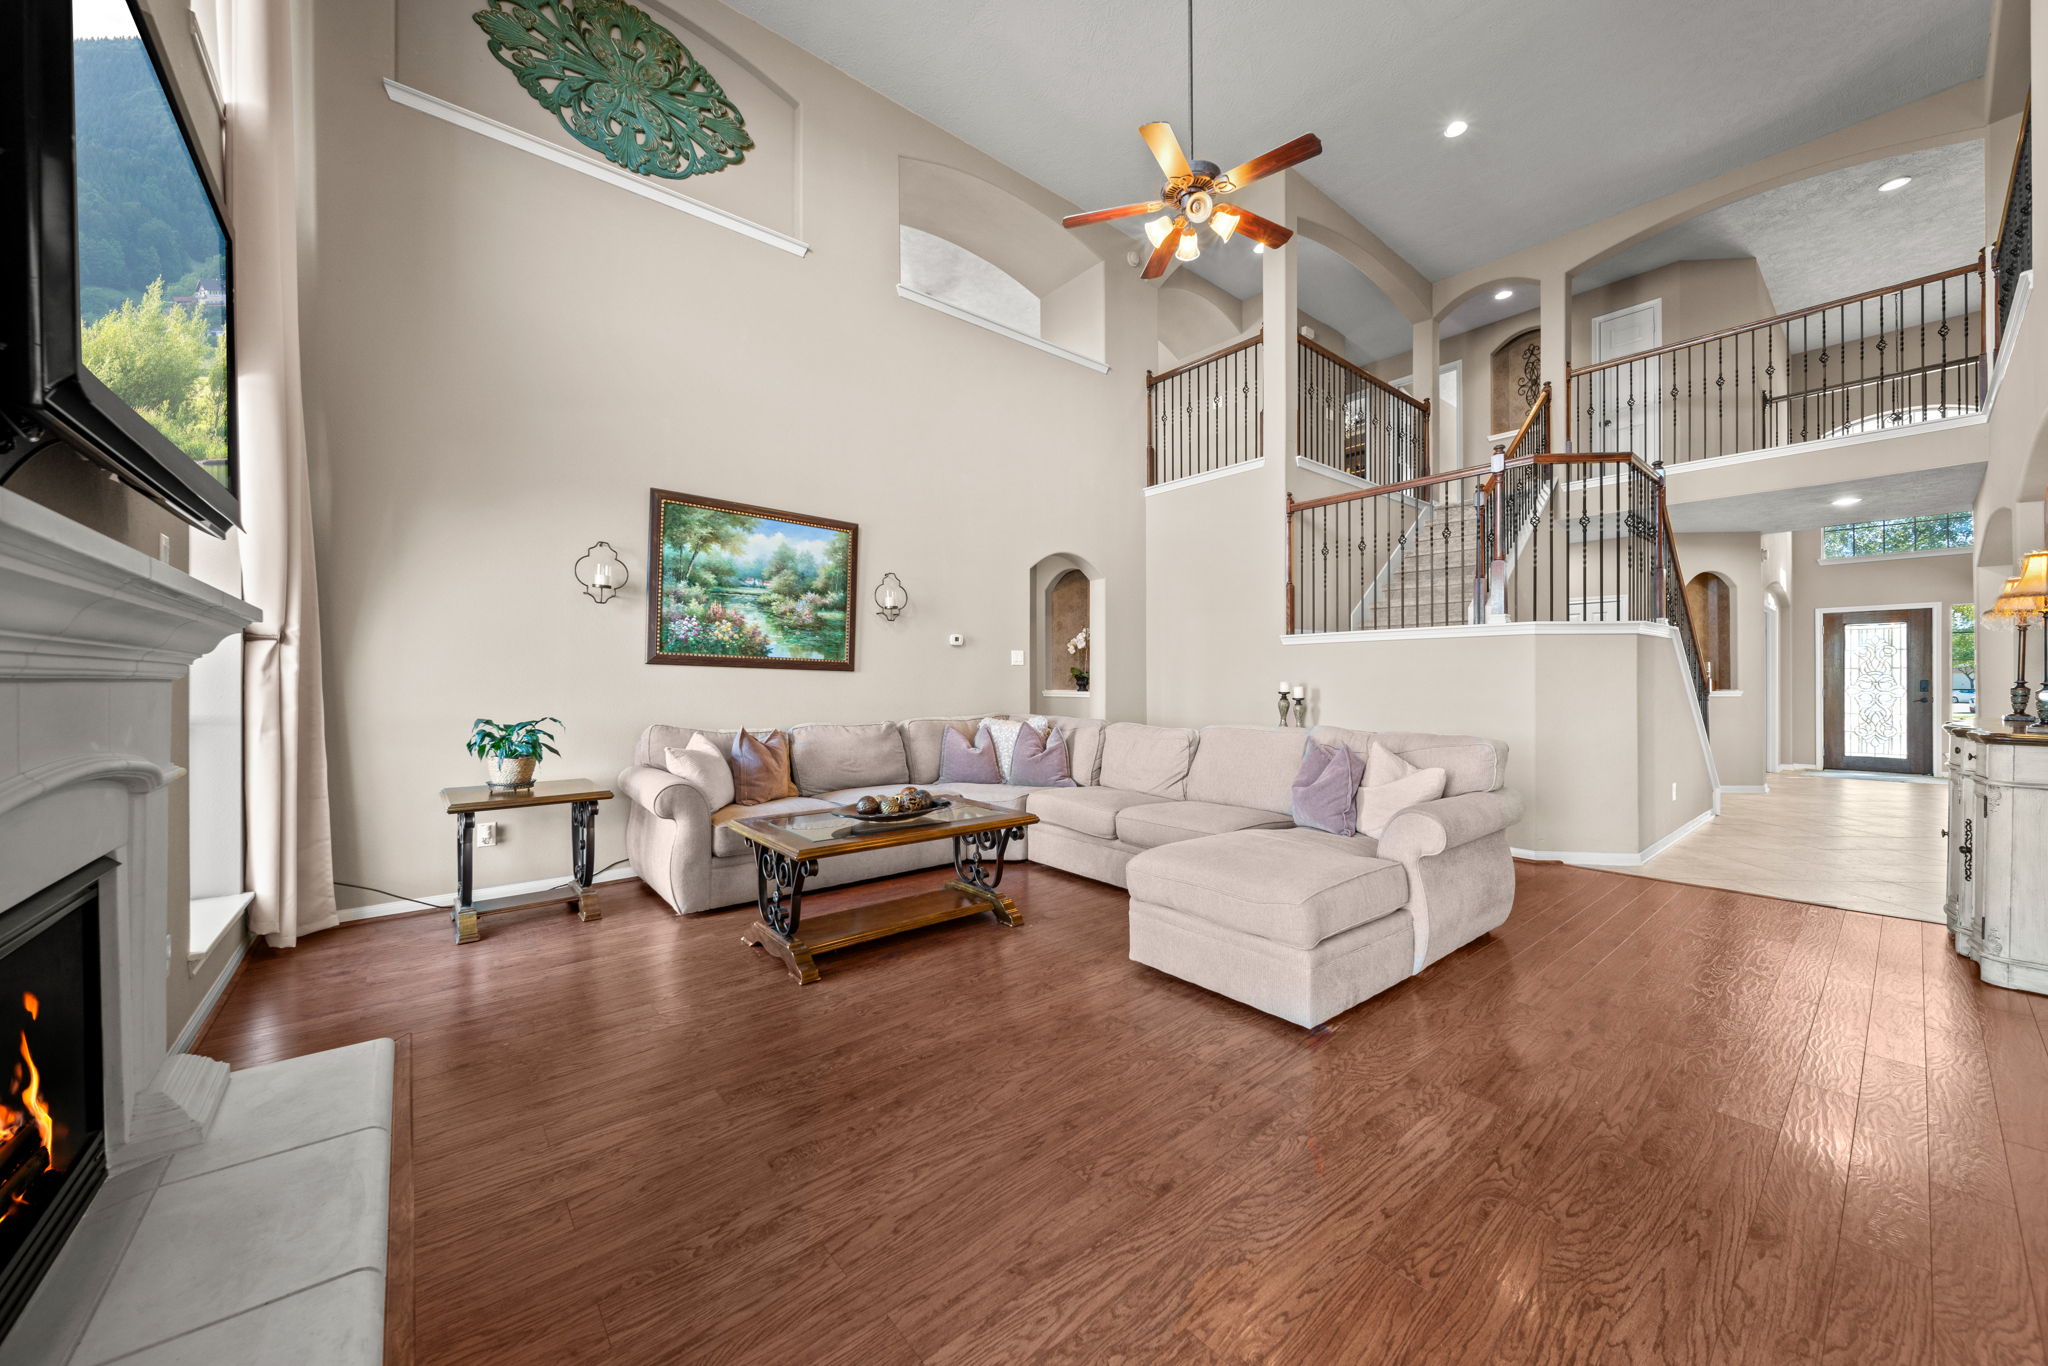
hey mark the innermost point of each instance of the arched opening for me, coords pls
(1515, 370)
(1710, 599)
(1068, 613)
(988, 249)
(1067, 623)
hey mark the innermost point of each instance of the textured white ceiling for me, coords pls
(1833, 235)
(1920, 493)
(1578, 108)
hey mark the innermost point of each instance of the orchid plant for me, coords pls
(1079, 646)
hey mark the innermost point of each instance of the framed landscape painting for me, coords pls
(751, 586)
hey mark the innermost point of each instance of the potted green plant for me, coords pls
(510, 750)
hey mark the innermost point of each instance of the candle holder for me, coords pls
(891, 597)
(1286, 703)
(1301, 711)
(601, 572)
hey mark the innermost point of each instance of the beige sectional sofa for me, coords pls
(1225, 891)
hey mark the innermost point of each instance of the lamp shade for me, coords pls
(2033, 576)
(2008, 603)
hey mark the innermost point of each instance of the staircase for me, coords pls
(1428, 579)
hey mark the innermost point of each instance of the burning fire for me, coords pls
(13, 1120)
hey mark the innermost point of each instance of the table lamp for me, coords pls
(2024, 597)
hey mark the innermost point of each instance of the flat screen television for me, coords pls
(116, 302)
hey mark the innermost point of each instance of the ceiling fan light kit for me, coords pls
(1188, 199)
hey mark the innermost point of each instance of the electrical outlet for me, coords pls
(1017, 658)
(487, 832)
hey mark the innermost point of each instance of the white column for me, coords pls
(1280, 388)
(1554, 294)
(1423, 355)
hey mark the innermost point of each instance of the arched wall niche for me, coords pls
(1516, 371)
(1029, 247)
(1710, 599)
(1067, 595)
(1994, 541)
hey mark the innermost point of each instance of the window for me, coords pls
(1962, 659)
(1898, 536)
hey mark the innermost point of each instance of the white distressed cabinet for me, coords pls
(1997, 902)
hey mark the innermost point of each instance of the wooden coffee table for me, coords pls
(787, 850)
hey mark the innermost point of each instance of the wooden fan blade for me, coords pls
(1162, 255)
(1166, 150)
(1082, 220)
(1260, 229)
(1279, 159)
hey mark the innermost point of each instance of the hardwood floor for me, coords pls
(1639, 1123)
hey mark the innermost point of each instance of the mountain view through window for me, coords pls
(152, 255)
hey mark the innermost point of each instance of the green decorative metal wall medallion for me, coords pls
(620, 83)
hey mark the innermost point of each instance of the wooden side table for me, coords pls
(581, 797)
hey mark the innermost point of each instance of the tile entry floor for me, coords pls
(1852, 843)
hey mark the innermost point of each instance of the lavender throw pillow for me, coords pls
(1326, 789)
(1041, 760)
(962, 762)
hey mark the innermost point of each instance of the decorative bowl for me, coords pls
(938, 804)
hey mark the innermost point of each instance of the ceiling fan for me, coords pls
(1188, 199)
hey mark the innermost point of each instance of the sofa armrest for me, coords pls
(1422, 831)
(664, 794)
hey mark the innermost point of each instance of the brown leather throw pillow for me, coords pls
(760, 768)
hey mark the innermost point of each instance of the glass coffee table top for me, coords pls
(816, 832)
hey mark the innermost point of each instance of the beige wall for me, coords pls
(1737, 713)
(1596, 721)
(503, 357)
(1942, 579)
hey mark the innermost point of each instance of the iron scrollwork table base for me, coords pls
(580, 797)
(779, 878)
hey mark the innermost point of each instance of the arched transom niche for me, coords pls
(1710, 599)
(1068, 613)
(981, 249)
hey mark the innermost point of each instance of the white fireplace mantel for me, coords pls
(92, 635)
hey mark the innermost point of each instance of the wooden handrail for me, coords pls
(1420, 405)
(1572, 371)
(1470, 471)
(1253, 340)
(1541, 405)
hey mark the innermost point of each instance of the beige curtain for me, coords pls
(290, 849)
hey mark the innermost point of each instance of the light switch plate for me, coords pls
(1017, 657)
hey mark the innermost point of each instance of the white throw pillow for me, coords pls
(1392, 785)
(704, 765)
(1004, 733)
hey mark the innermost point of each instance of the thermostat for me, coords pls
(956, 639)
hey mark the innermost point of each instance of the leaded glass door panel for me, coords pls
(1877, 704)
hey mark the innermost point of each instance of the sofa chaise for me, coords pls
(1225, 891)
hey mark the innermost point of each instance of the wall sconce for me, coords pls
(891, 597)
(601, 572)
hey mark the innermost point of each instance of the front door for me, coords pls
(1878, 695)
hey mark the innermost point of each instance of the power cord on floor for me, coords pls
(435, 905)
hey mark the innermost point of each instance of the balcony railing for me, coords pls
(2013, 255)
(1536, 537)
(1358, 423)
(1204, 416)
(1905, 354)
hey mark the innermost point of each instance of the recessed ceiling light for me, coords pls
(1503, 294)
(1455, 128)
(1897, 182)
(1849, 501)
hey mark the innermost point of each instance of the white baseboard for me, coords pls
(374, 910)
(1746, 787)
(1603, 859)
(202, 1012)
